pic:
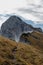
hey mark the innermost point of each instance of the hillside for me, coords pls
(12, 53)
(35, 39)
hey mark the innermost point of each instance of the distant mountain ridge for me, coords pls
(15, 26)
(37, 25)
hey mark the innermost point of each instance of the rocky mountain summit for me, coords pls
(14, 27)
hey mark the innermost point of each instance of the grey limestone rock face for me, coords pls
(14, 27)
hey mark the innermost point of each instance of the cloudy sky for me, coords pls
(29, 9)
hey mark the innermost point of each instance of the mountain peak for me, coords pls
(14, 27)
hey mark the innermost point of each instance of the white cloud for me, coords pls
(36, 2)
(11, 4)
(33, 9)
(9, 7)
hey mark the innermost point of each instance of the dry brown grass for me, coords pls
(12, 53)
(35, 39)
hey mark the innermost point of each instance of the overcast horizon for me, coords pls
(28, 9)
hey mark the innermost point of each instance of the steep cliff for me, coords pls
(14, 27)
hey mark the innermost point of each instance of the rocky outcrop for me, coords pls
(38, 29)
(14, 27)
(0, 32)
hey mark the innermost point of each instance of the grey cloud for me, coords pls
(30, 11)
(34, 10)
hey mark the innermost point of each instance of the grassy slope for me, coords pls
(12, 53)
(35, 39)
